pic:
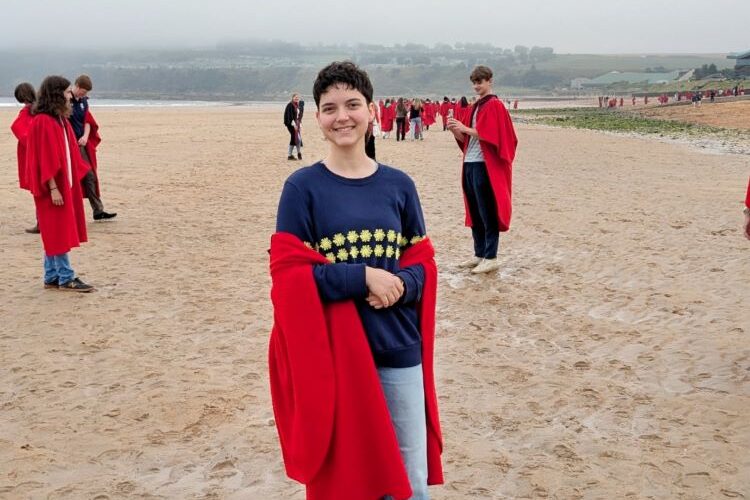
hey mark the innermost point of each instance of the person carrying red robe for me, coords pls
(25, 95)
(351, 353)
(488, 141)
(54, 169)
(387, 117)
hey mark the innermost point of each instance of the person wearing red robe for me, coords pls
(488, 141)
(515, 104)
(746, 211)
(86, 129)
(354, 290)
(428, 116)
(25, 95)
(54, 169)
(387, 117)
(444, 107)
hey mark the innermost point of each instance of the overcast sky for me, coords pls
(569, 26)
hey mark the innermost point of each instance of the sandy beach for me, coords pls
(609, 357)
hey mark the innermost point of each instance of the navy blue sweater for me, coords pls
(356, 223)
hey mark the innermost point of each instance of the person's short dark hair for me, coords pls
(480, 73)
(51, 99)
(25, 93)
(445, 99)
(84, 82)
(342, 72)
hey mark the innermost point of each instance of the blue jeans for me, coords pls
(485, 228)
(57, 269)
(416, 127)
(404, 395)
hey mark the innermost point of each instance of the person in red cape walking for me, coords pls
(746, 211)
(353, 289)
(54, 170)
(87, 135)
(488, 140)
(24, 94)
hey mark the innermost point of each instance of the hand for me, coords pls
(57, 198)
(455, 124)
(385, 288)
(746, 226)
(83, 140)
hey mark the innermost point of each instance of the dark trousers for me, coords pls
(401, 129)
(88, 183)
(483, 210)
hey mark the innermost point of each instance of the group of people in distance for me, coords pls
(354, 290)
(57, 141)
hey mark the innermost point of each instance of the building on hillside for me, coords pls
(628, 77)
(742, 66)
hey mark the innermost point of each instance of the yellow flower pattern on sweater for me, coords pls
(352, 245)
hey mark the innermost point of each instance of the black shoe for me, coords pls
(104, 216)
(52, 285)
(291, 157)
(33, 230)
(76, 285)
(299, 156)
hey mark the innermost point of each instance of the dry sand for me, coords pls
(608, 359)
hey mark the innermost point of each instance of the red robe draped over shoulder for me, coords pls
(62, 227)
(91, 145)
(334, 427)
(498, 143)
(20, 129)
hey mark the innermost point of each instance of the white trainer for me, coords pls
(486, 266)
(470, 263)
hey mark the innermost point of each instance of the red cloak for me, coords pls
(62, 227)
(444, 107)
(498, 145)
(386, 118)
(91, 145)
(20, 129)
(334, 427)
(747, 196)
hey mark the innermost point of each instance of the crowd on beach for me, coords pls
(353, 268)
(57, 142)
(694, 96)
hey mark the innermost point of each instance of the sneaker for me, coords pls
(470, 263)
(299, 156)
(52, 285)
(76, 285)
(104, 216)
(291, 157)
(486, 266)
(33, 230)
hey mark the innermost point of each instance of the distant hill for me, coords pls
(271, 70)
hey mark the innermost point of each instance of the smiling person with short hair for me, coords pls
(354, 287)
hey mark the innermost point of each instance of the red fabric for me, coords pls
(20, 129)
(747, 196)
(333, 423)
(91, 145)
(429, 114)
(498, 145)
(62, 227)
(386, 118)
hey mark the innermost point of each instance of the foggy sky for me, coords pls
(569, 26)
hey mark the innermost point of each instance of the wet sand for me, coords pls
(608, 358)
